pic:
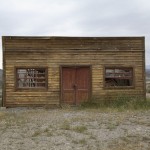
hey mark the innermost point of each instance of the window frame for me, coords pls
(44, 88)
(119, 87)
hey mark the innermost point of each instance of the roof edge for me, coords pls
(72, 37)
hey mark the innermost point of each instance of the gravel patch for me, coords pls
(73, 129)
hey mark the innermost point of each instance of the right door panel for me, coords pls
(83, 84)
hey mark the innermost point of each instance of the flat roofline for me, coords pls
(71, 37)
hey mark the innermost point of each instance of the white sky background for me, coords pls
(75, 18)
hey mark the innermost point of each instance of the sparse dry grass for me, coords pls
(121, 102)
(65, 125)
(80, 129)
(74, 129)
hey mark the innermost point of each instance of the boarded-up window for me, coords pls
(118, 77)
(31, 78)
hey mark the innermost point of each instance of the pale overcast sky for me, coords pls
(75, 18)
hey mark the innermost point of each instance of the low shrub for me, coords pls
(119, 102)
(80, 129)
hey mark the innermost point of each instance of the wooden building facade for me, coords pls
(42, 71)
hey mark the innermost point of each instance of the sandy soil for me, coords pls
(73, 129)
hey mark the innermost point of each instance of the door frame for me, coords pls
(75, 66)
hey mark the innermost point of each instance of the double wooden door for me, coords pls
(75, 86)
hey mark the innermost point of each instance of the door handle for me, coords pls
(74, 86)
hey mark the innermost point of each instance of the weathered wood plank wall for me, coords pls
(52, 52)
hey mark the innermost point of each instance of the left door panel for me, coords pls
(68, 81)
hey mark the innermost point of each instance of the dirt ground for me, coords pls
(74, 129)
